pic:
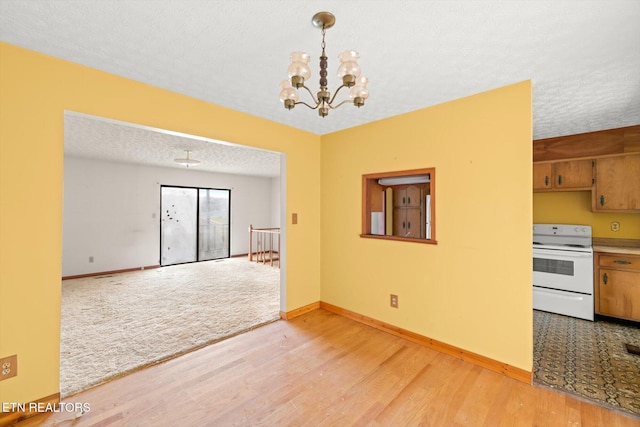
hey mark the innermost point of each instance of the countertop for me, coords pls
(618, 246)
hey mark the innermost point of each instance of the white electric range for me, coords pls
(563, 269)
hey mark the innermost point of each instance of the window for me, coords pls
(399, 205)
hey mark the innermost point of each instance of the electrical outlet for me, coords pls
(393, 301)
(615, 226)
(8, 367)
(90, 259)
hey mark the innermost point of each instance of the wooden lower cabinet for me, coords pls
(618, 285)
(407, 222)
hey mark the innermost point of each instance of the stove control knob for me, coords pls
(584, 229)
(577, 229)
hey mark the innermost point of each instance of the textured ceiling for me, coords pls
(583, 57)
(97, 138)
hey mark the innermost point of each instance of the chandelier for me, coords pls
(348, 71)
(187, 161)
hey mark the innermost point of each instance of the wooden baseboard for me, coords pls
(27, 410)
(299, 311)
(477, 359)
(103, 273)
(245, 255)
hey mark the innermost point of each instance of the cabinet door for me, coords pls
(399, 222)
(407, 222)
(573, 175)
(619, 293)
(414, 222)
(542, 178)
(399, 197)
(413, 196)
(617, 186)
(408, 196)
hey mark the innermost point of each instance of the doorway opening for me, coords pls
(113, 177)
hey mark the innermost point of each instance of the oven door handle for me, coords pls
(561, 254)
(565, 295)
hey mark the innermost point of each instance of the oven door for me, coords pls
(563, 270)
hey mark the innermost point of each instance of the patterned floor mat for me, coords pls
(589, 359)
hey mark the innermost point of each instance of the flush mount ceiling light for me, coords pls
(348, 71)
(187, 161)
(409, 179)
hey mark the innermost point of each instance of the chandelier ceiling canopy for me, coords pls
(348, 71)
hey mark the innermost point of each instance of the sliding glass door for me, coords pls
(194, 224)
(178, 226)
(213, 224)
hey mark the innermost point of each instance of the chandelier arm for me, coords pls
(346, 101)
(335, 94)
(304, 103)
(312, 96)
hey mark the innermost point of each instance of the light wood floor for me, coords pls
(322, 369)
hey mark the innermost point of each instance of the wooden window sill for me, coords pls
(401, 239)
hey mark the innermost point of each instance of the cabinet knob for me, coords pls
(601, 200)
(622, 261)
(546, 180)
(605, 278)
(559, 179)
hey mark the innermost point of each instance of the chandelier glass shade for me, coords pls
(348, 71)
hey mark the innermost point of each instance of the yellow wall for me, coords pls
(34, 92)
(574, 207)
(473, 289)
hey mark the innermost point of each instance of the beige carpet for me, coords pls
(116, 323)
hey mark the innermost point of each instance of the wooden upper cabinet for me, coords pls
(573, 175)
(563, 176)
(617, 186)
(542, 176)
(605, 162)
(410, 196)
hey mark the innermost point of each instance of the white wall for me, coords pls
(112, 211)
(275, 203)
